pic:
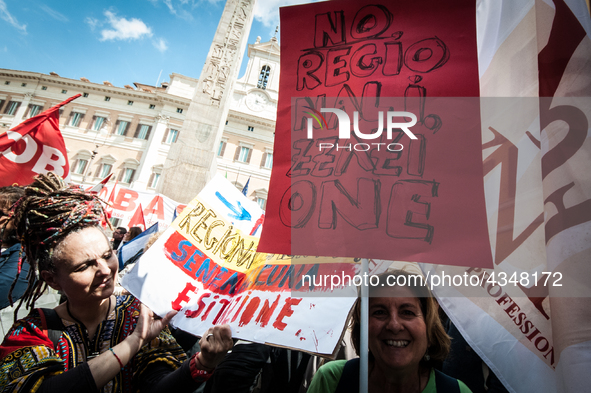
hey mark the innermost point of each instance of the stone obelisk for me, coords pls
(191, 160)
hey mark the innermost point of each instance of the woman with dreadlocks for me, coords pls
(94, 341)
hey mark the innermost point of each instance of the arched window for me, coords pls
(264, 77)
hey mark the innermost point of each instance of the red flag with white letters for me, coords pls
(34, 146)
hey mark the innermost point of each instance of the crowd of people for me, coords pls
(100, 339)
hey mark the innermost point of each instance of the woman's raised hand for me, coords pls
(149, 325)
(215, 343)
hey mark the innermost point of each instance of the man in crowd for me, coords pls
(118, 237)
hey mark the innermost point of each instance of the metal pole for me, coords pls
(364, 343)
(94, 153)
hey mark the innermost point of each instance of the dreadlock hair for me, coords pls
(50, 211)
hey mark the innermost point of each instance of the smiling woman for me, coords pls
(406, 341)
(94, 340)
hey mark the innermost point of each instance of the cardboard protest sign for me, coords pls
(376, 154)
(206, 266)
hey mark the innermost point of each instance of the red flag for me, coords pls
(98, 187)
(34, 146)
(138, 219)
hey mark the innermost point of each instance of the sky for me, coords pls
(120, 41)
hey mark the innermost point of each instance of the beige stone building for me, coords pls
(129, 130)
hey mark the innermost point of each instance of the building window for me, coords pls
(268, 160)
(64, 91)
(122, 127)
(107, 98)
(172, 136)
(76, 119)
(115, 222)
(244, 154)
(143, 132)
(264, 77)
(105, 170)
(23, 84)
(152, 106)
(85, 95)
(261, 202)
(80, 166)
(34, 110)
(154, 180)
(222, 148)
(250, 128)
(43, 87)
(130, 103)
(179, 110)
(12, 107)
(127, 175)
(98, 123)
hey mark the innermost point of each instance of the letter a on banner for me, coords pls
(35, 146)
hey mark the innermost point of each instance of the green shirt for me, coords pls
(327, 379)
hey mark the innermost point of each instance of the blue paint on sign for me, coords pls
(238, 213)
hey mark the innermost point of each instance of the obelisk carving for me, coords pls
(191, 160)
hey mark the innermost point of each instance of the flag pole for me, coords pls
(364, 343)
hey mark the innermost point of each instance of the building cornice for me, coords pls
(91, 86)
(246, 119)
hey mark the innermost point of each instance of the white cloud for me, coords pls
(124, 29)
(170, 6)
(178, 11)
(4, 14)
(160, 44)
(92, 22)
(54, 14)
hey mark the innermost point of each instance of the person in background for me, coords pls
(130, 235)
(118, 235)
(406, 340)
(12, 262)
(93, 341)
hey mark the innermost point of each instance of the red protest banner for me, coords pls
(34, 146)
(372, 160)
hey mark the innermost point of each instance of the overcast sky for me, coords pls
(121, 41)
